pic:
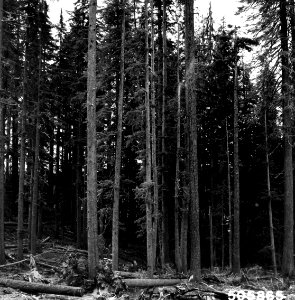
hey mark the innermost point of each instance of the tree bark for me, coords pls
(2, 250)
(195, 259)
(271, 229)
(236, 233)
(91, 145)
(148, 159)
(151, 282)
(78, 185)
(229, 194)
(177, 245)
(115, 229)
(288, 244)
(34, 207)
(154, 143)
(165, 225)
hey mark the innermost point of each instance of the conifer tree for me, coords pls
(2, 244)
(115, 230)
(91, 145)
(195, 261)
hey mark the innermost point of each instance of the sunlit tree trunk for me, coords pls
(92, 226)
(195, 259)
(288, 244)
(236, 233)
(115, 229)
(177, 244)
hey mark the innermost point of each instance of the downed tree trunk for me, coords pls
(151, 282)
(58, 297)
(33, 287)
(125, 274)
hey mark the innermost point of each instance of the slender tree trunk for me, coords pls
(2, 249)
(154, 143)
(288, 245)
(55, 192)
(78, 188)
(230, 243)
(20, 228)
(177, 244)
(165, 229)
(236, 234)
(271, 229)
(222, 235)
(34, 215)
(195, 260)
(178, 261)
(211, 238)
(34, 207)
(148, 159)
(115, 230)
(184, 230)
(91, 145)
(8, 142)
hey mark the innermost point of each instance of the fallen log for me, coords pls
(125, 274)
(151, 282)
(58, 297)
(33, 287)
(14, 246)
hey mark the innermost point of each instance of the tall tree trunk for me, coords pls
(148, 159)
(34, 206)
(35, 197)
(195, 259)
(164, 229)
(211, 238)
(271, 229)
(177, 245)
(236, 233)
(184, 230)
(115, 229)
(20, 213)
(230, 243)
(154, 142)
(78, 188)
(288, 245)
(91, 145)
(2, 250)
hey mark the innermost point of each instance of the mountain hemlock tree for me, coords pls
(34, 207)
(115, 228)
(21, 181)
(236, 267)
(270, 217)
(177, 245)
(165, 215)
(288, 244)
(148, 158)
(92, 226)
(154, 141)
(229, 197)
(195, 258)
(2, 248)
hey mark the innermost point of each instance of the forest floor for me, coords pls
(58, 264)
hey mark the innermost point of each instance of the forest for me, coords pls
(137, 132)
